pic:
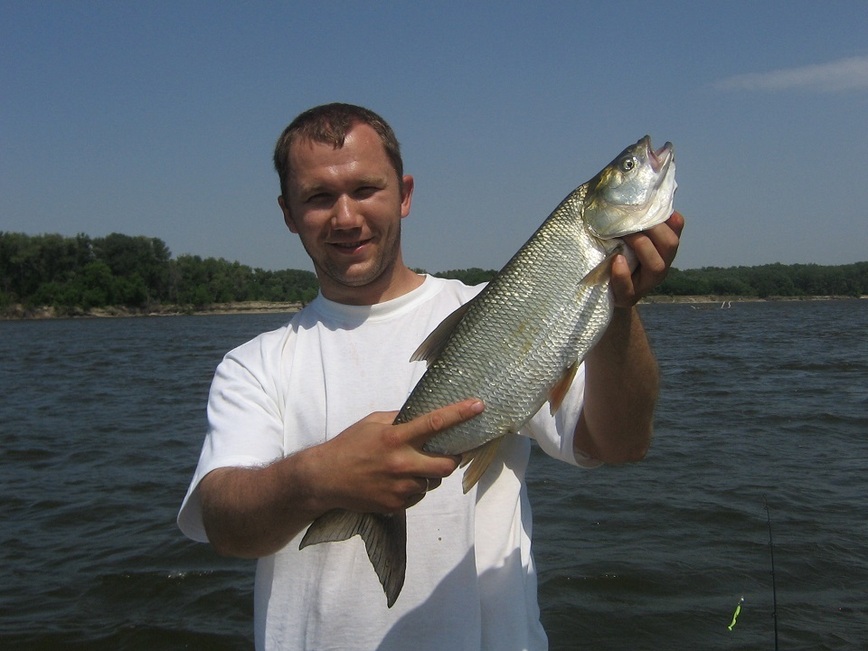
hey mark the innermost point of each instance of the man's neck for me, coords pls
(402, 280)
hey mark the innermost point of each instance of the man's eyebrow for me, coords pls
(311, 189)
(373, 179)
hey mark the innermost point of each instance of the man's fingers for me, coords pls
(676, 223)
(655, 249)
(422, 428)
(427, 484)
(622, 282)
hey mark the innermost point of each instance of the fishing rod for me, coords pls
(774, 586)
(774, 582)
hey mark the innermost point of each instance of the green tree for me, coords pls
(73, 273)
(472, 276)
(130, 257)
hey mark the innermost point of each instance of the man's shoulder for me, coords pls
(458, 288)
(260, 345)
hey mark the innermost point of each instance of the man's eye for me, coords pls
(366, 191)
(318, 198)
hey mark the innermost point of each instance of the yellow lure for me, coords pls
(736, 614)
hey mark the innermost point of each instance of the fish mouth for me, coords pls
(659, 158)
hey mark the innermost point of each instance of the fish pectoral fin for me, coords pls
(477, 461)
(385, 537)
(434, 343)
(600, 273)
(559, 391)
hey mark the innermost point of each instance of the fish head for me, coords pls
(632, 193)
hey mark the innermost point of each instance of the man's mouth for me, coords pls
(349, 247)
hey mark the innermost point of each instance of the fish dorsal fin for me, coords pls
(477, 461)
(600, 273)
(434, 343)
(559, 391)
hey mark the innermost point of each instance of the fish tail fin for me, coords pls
(385, 538)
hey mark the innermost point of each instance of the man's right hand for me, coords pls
(381, 467)
(372, 466)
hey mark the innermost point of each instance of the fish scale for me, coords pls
(518, 343)
(530, 324)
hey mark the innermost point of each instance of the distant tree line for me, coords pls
(78, 273)
(762, 281)
(81, 273)
(769, 280)
(472, 276)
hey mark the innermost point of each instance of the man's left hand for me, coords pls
(655, 250)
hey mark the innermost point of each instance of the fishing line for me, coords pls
(737, 611)
(774, 586)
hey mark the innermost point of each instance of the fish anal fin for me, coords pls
(600, 273)
(434, 343)
(385, 537)
(559, 391)
(477, 461)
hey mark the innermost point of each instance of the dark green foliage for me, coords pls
(472, 276)
(763, 281)
(756, 282)
(80, 273)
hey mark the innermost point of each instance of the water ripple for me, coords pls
(763, 403)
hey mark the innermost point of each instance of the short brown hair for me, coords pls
(329, 124)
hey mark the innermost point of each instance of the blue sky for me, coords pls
(159, 118)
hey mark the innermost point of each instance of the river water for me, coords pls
(762, 428)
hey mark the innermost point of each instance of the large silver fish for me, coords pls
(519, 343)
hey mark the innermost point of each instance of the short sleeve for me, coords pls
(245, 427)
(555, 433)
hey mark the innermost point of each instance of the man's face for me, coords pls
(346, 206)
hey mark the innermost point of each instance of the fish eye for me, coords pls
(628, 164)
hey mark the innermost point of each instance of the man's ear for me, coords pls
(407, 184)
(287, 216)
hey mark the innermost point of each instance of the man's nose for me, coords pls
(346, 214)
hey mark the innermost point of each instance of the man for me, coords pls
(296, 426)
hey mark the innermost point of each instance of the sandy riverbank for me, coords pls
(243, 307)
(710, 300)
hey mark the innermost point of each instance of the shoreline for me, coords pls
(20, 313)
(714, 298)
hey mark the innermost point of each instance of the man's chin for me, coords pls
(354, 276)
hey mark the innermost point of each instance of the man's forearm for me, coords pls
(374, 466)
(621, 387)
(254, 512)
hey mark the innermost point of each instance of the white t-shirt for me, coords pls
(471, 580)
